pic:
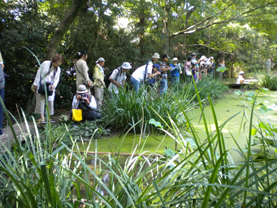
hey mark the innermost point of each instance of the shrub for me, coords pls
(269, 81)
(129, 108)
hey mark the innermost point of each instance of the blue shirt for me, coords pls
(174, 70)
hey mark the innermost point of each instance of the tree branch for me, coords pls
(191, 30)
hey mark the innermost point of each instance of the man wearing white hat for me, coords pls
(99, 84)
(118, 77)
(145, 72)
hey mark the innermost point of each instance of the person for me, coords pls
(269, 63)
(49, 72)
(118, 77)
(2, 93)
(193, 60)
(175, 71)
(240, 79)
(203, 64)
(211, 66)
(154, 59)
(99, 84)
(82, 69)
(87, 103)
(143, 73)
(194, 70)
(187, 70)
(221, 65)
(164, 68)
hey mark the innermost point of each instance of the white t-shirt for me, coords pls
(139, 73)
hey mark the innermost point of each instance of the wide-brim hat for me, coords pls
(156, 55)
(82, 89)
(100, 59)
(126, 65)
(175, 59)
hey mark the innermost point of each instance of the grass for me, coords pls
(269, 81)
(129, 108)
(200, 174)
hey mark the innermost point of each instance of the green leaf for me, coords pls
(169, 152)
(155, 123)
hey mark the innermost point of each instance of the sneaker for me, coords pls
(52, 121)
(42, 122)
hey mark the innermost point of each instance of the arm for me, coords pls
(56, 78)
(1, 61)
(113, 77)
(38, 75)
(74, 102)
(93, 103)
(98, 75)
(153, 75)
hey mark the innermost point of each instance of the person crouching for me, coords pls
(86, 102)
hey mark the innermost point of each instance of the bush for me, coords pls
(129, 108)
(269, 81)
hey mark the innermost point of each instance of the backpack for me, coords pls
(107, 77)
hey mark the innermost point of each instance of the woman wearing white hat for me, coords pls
(86, 102)
(99, 84)
(118, 77)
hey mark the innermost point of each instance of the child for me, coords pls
(240, 79)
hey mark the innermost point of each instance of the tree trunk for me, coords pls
(64, 25)
(141, 28)
(166, 30)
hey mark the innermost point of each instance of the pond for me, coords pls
(225, 108)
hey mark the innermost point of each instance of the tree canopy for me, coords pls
(241, 31)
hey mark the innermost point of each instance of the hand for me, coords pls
(52, 87)
(117, 84)
(89, 83)
(3, 66)
(78, 97)
(158, 73)
(35, 87)
(87, 100)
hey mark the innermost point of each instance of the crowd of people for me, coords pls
(90, 86)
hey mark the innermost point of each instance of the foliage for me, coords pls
(127, 108)
(221, 69)
(200, 174)
(81, 131)
(269, 81)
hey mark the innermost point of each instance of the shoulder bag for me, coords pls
(41, 88)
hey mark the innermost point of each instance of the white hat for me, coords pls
(100, 59)
(82, 89)
(126, 65)
(211, 57)
(203, 58)
(156, 55)
(175, 59)
(241, 72)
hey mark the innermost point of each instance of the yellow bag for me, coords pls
(77, 115)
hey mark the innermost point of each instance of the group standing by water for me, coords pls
(90, 89)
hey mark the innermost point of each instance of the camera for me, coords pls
(83, 95)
